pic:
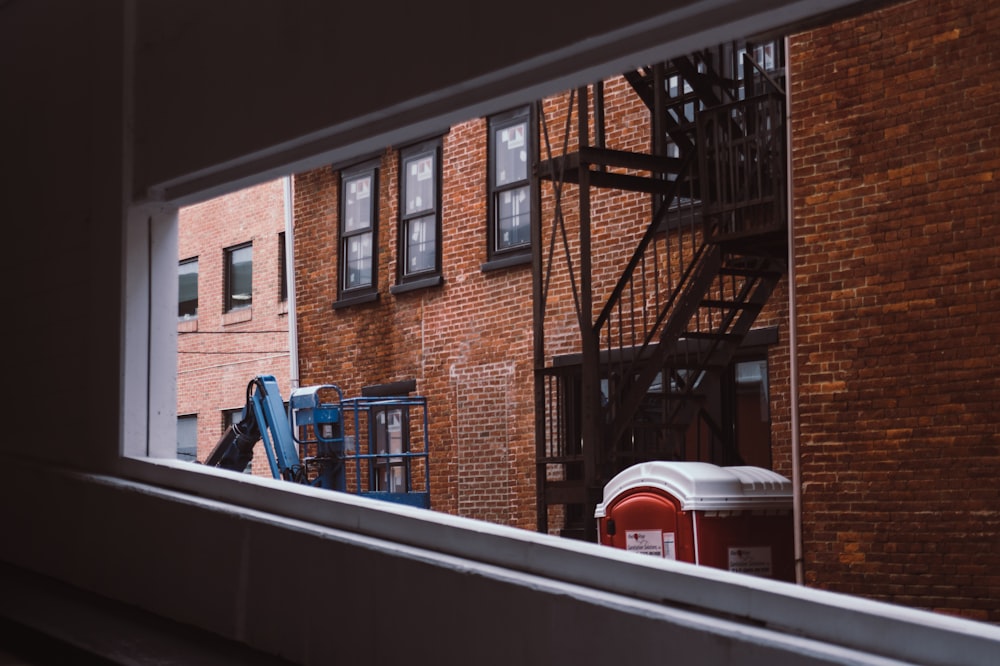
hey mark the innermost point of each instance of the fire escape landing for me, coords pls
(711, 254)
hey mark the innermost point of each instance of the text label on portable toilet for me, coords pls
(734, 518)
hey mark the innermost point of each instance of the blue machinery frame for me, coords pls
(336, 435)
(375, 447)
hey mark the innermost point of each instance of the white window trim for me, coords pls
(149, 389)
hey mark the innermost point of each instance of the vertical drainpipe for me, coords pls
(793, 361)
(293, 346)
(538, 319)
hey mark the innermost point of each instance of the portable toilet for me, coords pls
(734, 518)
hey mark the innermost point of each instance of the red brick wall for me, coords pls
(618, 218)
(219, 354)
(897, 151)
(468, 343)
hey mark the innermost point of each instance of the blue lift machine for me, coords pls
(375, 447)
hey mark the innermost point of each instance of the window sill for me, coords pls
(187, 325)
(357, 299)
(424, 283)
(506, 261)
(237, 316)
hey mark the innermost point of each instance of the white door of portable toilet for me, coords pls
(734, 518)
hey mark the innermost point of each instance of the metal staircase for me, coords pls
(710, 257)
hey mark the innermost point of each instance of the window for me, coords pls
(750, 409)
(231, 417)
(392, 435)
(187, 279)
(511, 151)
(282, 268)
(239, 277)
(358, 232)
(420, 215)
(187, 437)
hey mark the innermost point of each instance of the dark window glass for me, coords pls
(510, 146)
(511, 150)
(187, 437)
(751, 412)
(239, 277)
(420, 244)
(187, 289)
(359, 196)
(419, 183)
(420, 214)
(513, 218)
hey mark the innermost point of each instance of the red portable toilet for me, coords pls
(734, 518)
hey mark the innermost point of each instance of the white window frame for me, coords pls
(149, 399)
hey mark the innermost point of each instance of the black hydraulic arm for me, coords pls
(234, 450)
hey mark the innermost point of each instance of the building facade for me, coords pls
(415, 266)
(462, 334)
(423, 267)
(232, 311)
(896, 155)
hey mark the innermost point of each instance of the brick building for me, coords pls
(415, 269)
(460, 329)
(233, 311)
(896, 154)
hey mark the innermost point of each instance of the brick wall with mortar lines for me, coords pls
(468, 343)
(219, 354)
(443, 337)
(618, 218)
(897, 151)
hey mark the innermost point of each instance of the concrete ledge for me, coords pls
(312, 575)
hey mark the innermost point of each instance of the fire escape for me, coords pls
(712, 252)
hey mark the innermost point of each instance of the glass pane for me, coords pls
(241, 277)
(513, 218)
(421, 245)
(751, 372)
(419, 184)
(358, 203)
(359, 261)
(188, 290)
(764, 55)
(187, 438)
(511, 154)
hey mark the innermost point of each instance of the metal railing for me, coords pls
(743, 167)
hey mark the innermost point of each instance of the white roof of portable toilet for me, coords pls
(704, 487)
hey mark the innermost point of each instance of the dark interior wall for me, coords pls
(62, 195)
(229, 69)
(226, 91)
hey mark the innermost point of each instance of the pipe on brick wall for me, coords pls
(293, 346)
(793, 363)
